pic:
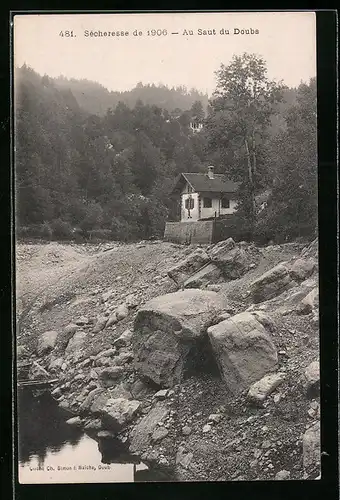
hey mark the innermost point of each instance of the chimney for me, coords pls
(211, 172)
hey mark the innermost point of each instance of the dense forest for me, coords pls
(90, 163)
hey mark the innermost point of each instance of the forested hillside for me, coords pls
(90, 162)
(111, 174)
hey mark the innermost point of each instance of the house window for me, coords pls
(207, 202)
(225, 202)
(189, 203)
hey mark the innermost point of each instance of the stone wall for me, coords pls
(189, 232)
(203, 231)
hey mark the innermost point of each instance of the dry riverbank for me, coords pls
(77, 306)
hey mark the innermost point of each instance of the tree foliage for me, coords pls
(77, 171)
(239, 120)
(292, 208)
(109, 174)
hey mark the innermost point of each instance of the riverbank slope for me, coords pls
(77, 306)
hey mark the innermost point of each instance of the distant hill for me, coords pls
(96, 99)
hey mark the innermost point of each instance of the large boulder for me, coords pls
(260, 390)
(291, 301)
(272, 283)
(46, 342)
(64, 336)
(266, 320)
(125, 357)
(122, 312)
(311, 448)
(139, 389)
(311, 250)
(120, 391)
(56, 363)
(75, 421)
(76, 342)
(112, 320)
(311, 379)
(36, 372)
(106, 353)
(99, 402)
(168, 330)
(110, 376)
(210, 273)
(233, 263)
(95, 401)
(141, 434)
(309, 303)
(301, 269)
(100, 324)
(183, 458)
(187, 267)
(222, 247)
(119, 412)
(132, 301)
(243, 349)
(124, 339)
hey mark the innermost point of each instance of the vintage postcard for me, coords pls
(166, 247)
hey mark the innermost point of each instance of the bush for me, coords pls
(46, 230)
(278, 225)
(23, 232)
(100, 235)
(61, 230)
(93, 217)
(233, 226)
(41, 231)
(264, 231)
(120, 229)
(78, 235)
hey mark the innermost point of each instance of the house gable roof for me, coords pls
(202, 183)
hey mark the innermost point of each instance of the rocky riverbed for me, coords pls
(203, 360)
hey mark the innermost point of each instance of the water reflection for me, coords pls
(45, 439)
(42, 427)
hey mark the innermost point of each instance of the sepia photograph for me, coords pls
(166, 247)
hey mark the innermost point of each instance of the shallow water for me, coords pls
(51, 451)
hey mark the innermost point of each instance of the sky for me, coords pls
(286, 40)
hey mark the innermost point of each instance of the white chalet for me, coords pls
(205, 196)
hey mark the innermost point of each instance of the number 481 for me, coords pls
(66, 33)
